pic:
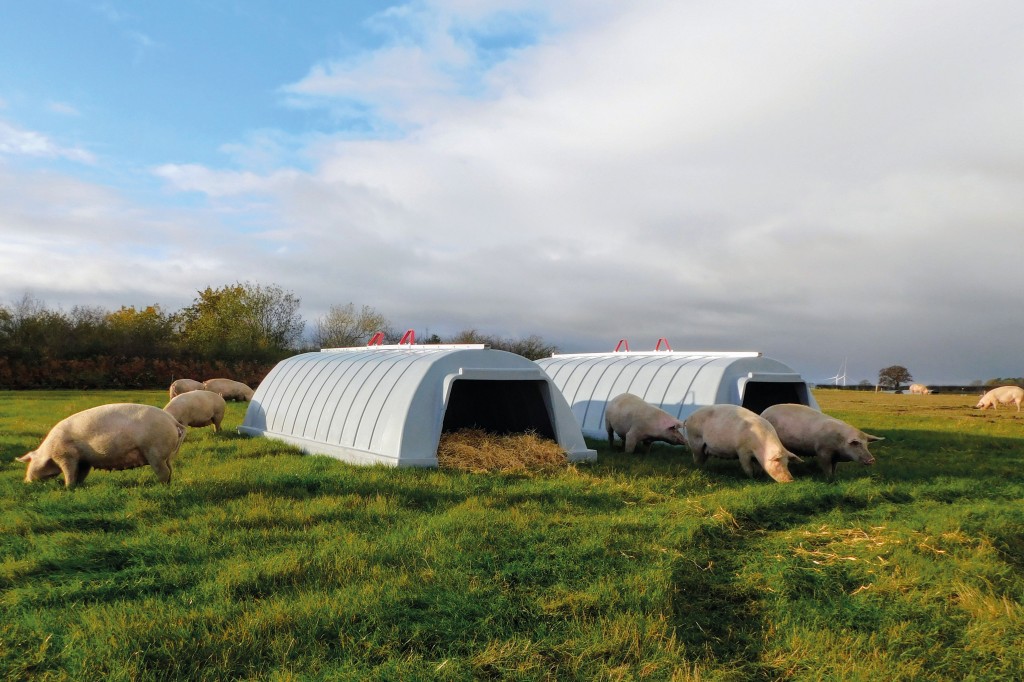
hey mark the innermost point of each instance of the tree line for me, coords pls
(894, 376)
(238, 330)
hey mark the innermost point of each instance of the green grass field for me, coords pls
(260, 563)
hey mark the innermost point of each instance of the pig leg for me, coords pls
(162, 470)
(68, 462)
(747, 462)
(69, 468)
(83, 470)
(700, 452)
(827, 462)
(161, 464)
(631, 441)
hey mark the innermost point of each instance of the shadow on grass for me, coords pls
(717, 619)
(904, 456)
(911, 456)
(1009, 540)
(424, 490)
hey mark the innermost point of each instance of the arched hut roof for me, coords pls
(676, 381)
(390, 404)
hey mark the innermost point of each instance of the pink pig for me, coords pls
(114, 436)
(734, 432)
(808, 432)
(637, 421)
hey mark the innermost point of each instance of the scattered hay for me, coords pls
(478, 451)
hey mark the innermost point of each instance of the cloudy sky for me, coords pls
(817, 181)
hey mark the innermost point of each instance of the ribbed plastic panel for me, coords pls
(676, 381)
(387, 404)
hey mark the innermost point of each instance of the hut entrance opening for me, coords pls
(499, 406)
(760, 395)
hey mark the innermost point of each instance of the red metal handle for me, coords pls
(622, 342)
(377, 339)
(408, 337)
(667, 347)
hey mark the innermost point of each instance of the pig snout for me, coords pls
(673, 436)
(779, 473)
(861, 454)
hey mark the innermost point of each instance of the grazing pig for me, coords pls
(807, 432)
(637, 421)
(920, 389)
(198, 408)
(229, 389)
(114, 436)
(1004, 395)
(184, 386)
(731, 432)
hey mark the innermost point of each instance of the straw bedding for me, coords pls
(478, 451)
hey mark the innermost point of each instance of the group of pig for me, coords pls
(1001, 395)
(773, 438)
(128, 435)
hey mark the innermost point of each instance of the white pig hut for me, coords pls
(676, 381)
(390, 404)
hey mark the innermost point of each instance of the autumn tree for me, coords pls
(148, 332)
(892, 377)
(242, 320)
(343, 327)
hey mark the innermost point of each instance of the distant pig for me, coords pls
(920, 389)
(184, 386)
(114, 436)
(734, 432)
(229, 389)
(808, 432)
(637, 421)
(1004, 395)
(198, 408)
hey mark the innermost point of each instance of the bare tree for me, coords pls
(343, 326)
(893, 376)
(532, 347)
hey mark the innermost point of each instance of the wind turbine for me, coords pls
(840, 375)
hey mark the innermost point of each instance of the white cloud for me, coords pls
(822, 182)
(728, 172)
(70, 242)
(197, 178)
(63, 108)
(17, 142)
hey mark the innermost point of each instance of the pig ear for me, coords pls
(27, 457)
(793, 458)
(872, 439)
